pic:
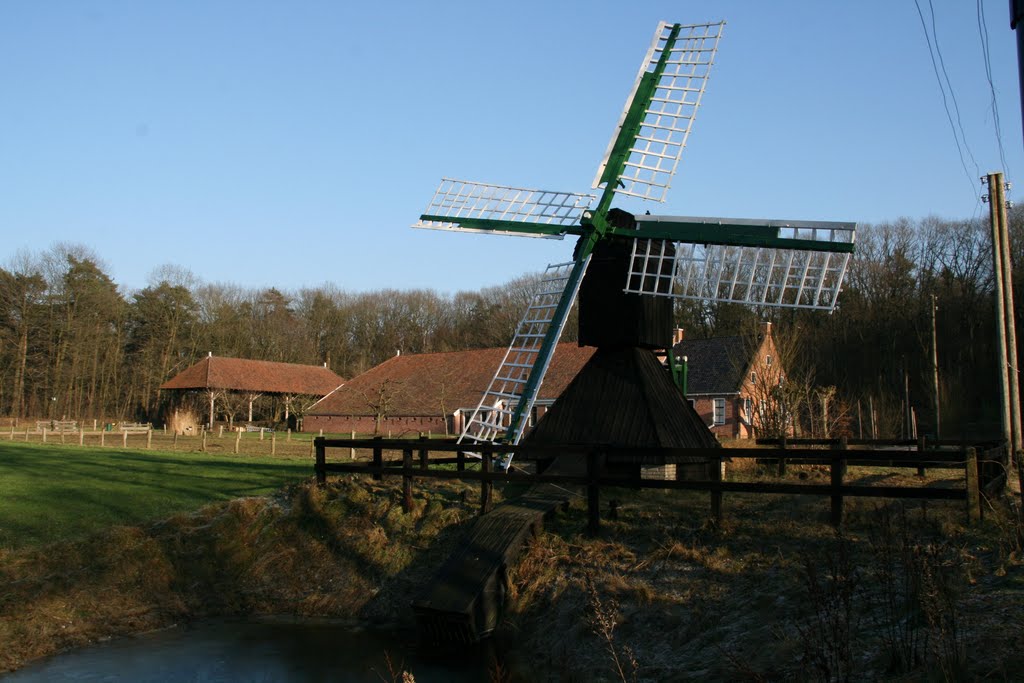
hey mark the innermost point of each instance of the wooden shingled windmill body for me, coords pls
(637, 264)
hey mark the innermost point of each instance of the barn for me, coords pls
(429, 392)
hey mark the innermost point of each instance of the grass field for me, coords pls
(51, 492)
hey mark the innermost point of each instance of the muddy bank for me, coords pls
(345, 552)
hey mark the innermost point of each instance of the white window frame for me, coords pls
(718, 414)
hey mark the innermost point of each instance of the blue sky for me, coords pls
(292, 144)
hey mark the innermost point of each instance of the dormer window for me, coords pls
(768, 361)
(753, 378)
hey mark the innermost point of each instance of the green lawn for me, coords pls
(52, 492)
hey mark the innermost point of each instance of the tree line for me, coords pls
(75, 344)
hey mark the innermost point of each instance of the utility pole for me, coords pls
(935, 373)
(997, 212)
(1011, 321)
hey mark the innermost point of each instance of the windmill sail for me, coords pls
(504, 410)
(790, 264)
(652, 132)
(465, 206)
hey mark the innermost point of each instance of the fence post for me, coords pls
(782, 458)
(238, 440)
(715, 463)
(352, 451)
(44, 434)
(321, 461)
(921, 443)
(273, 443)
(174, 445)
(149, 439)
(81, 436)
(124, 438)
(407, 480)
(220, 431)
(460, 458)
(485, 484)
(423, 453)
(593, 494)
(288, 435)
(62, 435)
(972, 486)
(838, 471)
(202, 446)
(103, 438)
(378, 459)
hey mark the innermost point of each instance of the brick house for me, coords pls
(728, 379)
(429, 392)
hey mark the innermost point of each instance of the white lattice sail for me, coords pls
(765, 276)
(497, 412)
(654, 153)
(458, 203)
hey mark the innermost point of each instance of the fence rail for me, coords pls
(594, 476)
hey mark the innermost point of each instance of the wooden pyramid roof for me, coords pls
(623, 397)
(258, 376)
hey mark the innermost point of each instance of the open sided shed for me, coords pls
(216, 376)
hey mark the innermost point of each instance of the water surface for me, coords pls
(229, 650)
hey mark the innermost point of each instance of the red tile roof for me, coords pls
(419, 384)
(266, 377)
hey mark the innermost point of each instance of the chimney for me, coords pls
(766, 329)
(398, 352)
(677, 335)
(210, 354)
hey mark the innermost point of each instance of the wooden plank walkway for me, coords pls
(463, 602)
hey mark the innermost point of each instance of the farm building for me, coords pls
(429, 392)
(230, 380)
(728, 379)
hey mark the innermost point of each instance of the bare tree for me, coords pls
(381, 401)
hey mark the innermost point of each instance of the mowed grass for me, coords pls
(49, 493)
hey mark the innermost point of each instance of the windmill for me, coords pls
(795, 264)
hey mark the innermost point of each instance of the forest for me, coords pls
(74, 344)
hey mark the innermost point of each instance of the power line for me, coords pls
(952, 94)
(942, 89)
(983, 33)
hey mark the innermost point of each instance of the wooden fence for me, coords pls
(593, 475)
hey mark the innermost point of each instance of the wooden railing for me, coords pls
(594, 475)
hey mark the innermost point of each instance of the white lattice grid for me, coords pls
(787, 278)
(461, 199)
(654, 153)
(493, 415)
